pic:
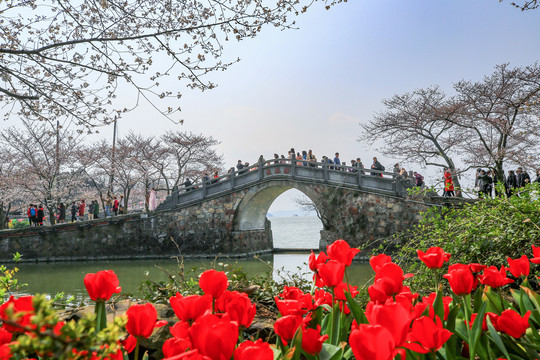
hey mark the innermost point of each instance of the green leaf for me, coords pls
(476, 330)
(357, 312)
(330, 352)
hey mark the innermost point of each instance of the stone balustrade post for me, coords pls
(232, 178)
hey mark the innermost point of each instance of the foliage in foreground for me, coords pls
(475, 321)
(487, 231)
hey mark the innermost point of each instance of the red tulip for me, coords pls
(511, 323)
(213, 282)
(129, 343)
(519, 267)
(476, 268)
(180, 341)
(290, 307)
(102, 285)
(494, 278)
(536, 255)
(339, 291)
(142, 319)
(434, 257)
(5, 336)
(393, 316)
(20, 310)
(214, 336)
(241, 309)
(175, 346)
(461, 280)
(372, 342)
(315, 261)
(189, 355)
(388, 282)
(285, 327)
(427, 335)
(258, 350)
(321, 297)
(332, 273)
(342, 252)
(312, 340)
(191, 307)
(431, 299)
(377, 261)
(293, 293)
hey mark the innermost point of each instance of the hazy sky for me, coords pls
(311, 88)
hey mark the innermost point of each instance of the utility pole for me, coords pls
(111, 179)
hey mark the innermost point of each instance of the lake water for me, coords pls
(302, 232)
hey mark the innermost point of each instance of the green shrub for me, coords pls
(488, 231)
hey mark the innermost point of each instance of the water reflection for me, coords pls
(68, 277)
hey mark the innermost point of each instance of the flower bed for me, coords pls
(473, 321)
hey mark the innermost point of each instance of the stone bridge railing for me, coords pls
(337, 175)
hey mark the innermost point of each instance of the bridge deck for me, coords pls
(318, 173)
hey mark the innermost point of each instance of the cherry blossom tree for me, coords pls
(68, 59)
(45, 168)
(419, 126)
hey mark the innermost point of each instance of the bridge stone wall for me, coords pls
(201, 232)
(230, 224)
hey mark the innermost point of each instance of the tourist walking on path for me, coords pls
(152, 200)
(30, 213)
(40, 215)
(73, 210)
(108, 205)
(511, 183)
(82, 206)
(96, 209)
(115, 206)
(91, 210)
(448, 183)
(61, 213)
(418, 179)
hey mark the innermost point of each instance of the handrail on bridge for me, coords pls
(300, 170)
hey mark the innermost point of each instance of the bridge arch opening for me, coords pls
(292, 226)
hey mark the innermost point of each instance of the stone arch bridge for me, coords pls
(227, 216)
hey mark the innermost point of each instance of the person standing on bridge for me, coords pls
(376, 166)
(337, 161)
(239, 167)
(311, 158)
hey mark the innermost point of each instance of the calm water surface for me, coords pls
(292, 232)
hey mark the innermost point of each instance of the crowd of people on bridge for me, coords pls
(308, 158)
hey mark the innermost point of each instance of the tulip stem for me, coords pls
(332, 319)
(501, 298)
(465, 300)
(136, 355)
(347, 281)
(436, 278)
(101, 315)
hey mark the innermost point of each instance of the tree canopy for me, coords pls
(69, 58)
(486, 123)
